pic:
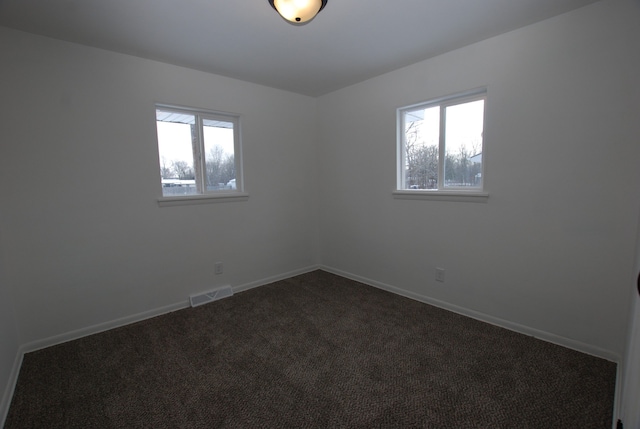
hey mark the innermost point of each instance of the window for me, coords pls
(440, 145)
(199, 152)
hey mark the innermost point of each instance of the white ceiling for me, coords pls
(349, 41)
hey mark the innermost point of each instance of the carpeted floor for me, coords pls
(313, 351)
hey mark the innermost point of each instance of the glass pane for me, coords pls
(421, 144)
(175, 148)
(463, 145)
(220, 167)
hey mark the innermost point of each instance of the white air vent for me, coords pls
(213, 295)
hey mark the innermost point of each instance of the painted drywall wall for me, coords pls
(552, 249)
(86, 241)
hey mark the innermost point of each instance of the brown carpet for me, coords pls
(313, 351)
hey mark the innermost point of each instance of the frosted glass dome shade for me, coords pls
(298, 11)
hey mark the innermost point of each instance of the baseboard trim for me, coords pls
(275, 278)
(101, 327)
(512, 326)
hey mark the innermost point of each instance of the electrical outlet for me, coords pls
(440, 275)
(218, 268)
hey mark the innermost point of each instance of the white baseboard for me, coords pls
(512, 326)
(101, 327)
(275, 278)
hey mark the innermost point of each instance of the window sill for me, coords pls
(226, 197)
(457, 196)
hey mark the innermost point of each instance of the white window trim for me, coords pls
(219, 196)
(436, 195)
(222, 197)
(450, 193)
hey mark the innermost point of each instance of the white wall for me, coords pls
(85, 240)
(552, 249)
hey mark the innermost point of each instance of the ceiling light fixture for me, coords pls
(298, 11)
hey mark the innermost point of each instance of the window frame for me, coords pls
(471, 194)
(203, 196)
